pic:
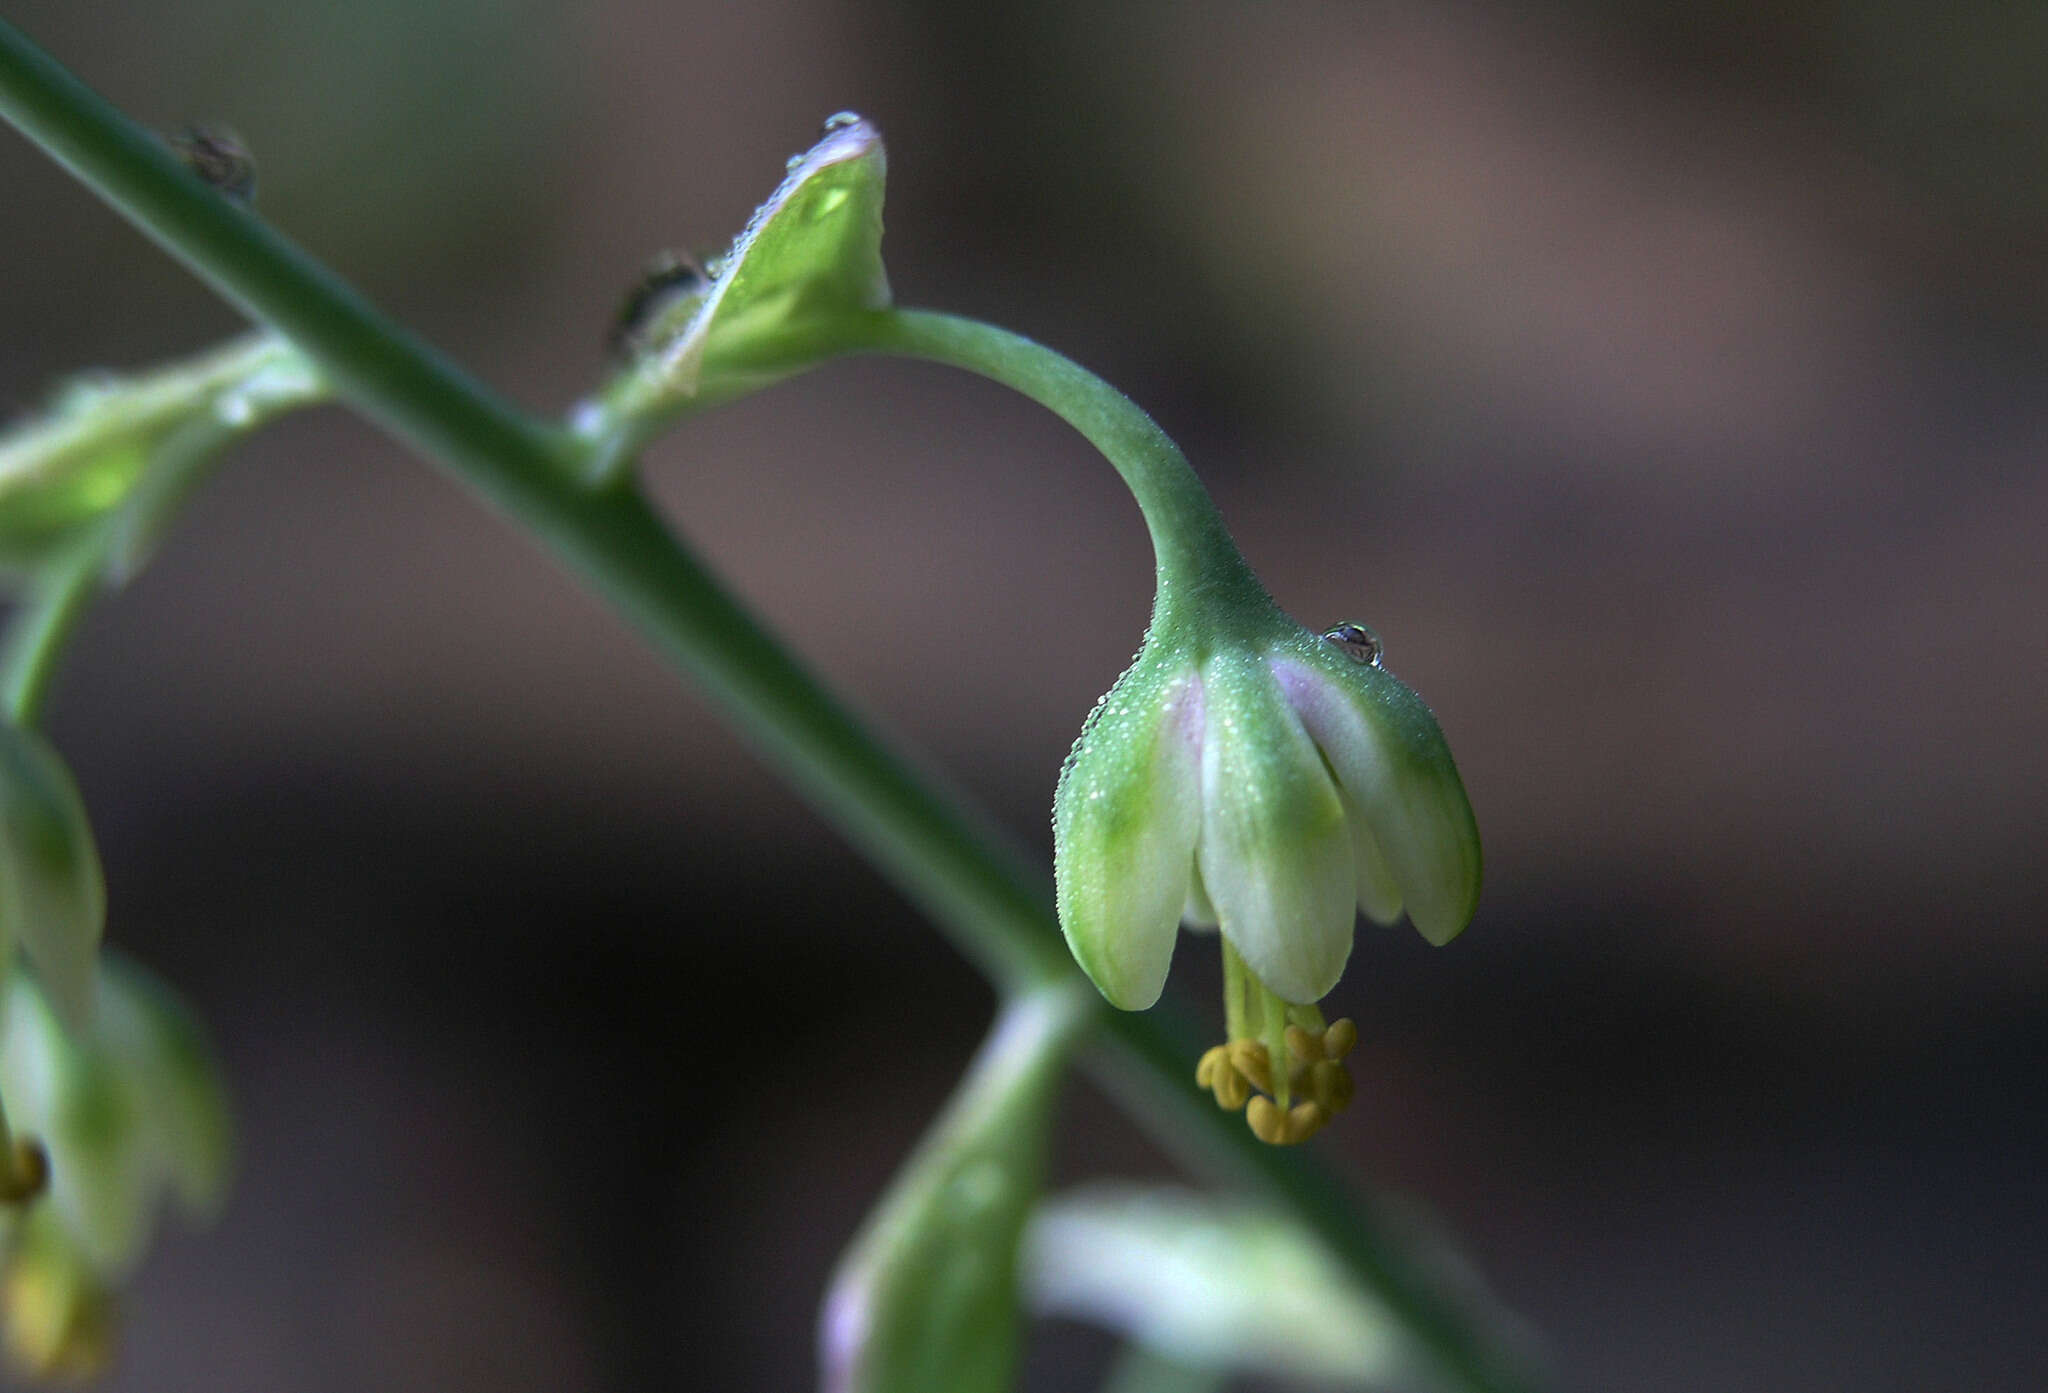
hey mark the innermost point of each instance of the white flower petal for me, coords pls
(1125, 820)
(1198, 913)
(1396, 770)
(1274, 856)
(1379, 894)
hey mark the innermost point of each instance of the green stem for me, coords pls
(1236, 1026)
(1193, 548)
(1273, 1026)
(58, 599)
(949, 859)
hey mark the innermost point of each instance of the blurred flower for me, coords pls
(130, 1111)
(1270, 781)
(1212, 1282)
(1221, 1284)
(60, 1312)
(925, 1299)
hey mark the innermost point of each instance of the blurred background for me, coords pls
(1663, 381)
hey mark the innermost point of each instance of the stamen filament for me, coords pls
(1309, 1018)
(1236, 999)
(1274, 1029)
(1276, 1050)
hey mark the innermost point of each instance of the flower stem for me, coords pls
(49, 615)
(992, 902)
(1192, 547)
(1236, 1024)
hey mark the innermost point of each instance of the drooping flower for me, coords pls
(1270, 781)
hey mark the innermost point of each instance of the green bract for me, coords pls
(810, 257)
(78, 460)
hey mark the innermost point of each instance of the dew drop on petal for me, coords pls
(839, 121)
(1358, 641)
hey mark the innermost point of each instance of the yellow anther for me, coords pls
(1330, 1084)
(60, 1325)
(1250, 1058)
(1304, 1120)
(1241, 1075)
(1218, 1072)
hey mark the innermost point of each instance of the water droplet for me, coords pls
(235, 409)
(1358, 641)
(839, 121)
(793, 163)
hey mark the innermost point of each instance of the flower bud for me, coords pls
(925, 1299)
